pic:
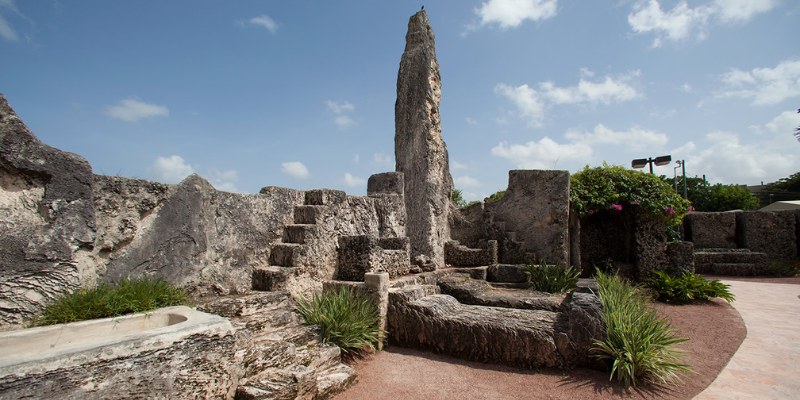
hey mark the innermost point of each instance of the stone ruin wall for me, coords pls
(65, 228)
(775, 233)
(530, 223)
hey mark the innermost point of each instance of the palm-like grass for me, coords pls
(687, 287)
(552, 278)
(346, 319)
(129, 296)
(639, 344)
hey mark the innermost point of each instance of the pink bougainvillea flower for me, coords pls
(616, 207)
(669, 210)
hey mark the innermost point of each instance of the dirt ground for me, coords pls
(714, 329)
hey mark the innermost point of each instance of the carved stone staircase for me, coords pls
(732, 262)
(285, 257)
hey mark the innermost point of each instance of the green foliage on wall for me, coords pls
(614, 187)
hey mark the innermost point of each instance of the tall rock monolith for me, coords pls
(420, 151)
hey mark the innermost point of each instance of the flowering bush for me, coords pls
(614, 187)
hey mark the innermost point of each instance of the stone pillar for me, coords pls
(420, 151)
(376, 285)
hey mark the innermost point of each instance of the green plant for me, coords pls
(127, 297)
(458, 198)
(496, 196)
(346, 318)
(639, 344)
(687, 287)
(614, 187)
(783, 268)
(552, 278)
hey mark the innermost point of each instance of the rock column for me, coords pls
(420, 151)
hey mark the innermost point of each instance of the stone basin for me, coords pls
(172, 352)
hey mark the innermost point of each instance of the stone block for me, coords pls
(711, 229)
(773, 233)
(680, 257)
(461, 256)
(385, 183)
(507, 273)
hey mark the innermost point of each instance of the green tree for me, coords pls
(790, 184)
(728, 197)
(458, 198)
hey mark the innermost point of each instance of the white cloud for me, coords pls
(526, 100)
(676, 24)
(344, 122)
(456, 166)
(765, 86)
(295, 169)
(172, 169)
(727, 157)
(742, 10)
(633, 139)
(356, 158)
(132, 110)
(545, 153)
(531, 103)
(266, 22)
(340, 110)
(466, 181)
(382, 159)
(471, 121)
(224, 180)
(683, 22)
(608, 91)
(6, 31)
(353, 181)
(512, 13)
(785, 123)
(687, 88)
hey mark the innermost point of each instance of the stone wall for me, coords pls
(775, 233)
(530, 223)
(711, 229)
(46, 219)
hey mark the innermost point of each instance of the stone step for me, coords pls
(321, 197)
(739, 269)
(271, 278)
(298, 233)
(308, 214)
(729, 257)
(283, 254)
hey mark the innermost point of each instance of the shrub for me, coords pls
(639, 344)
(614, 187)
(782, 268)
(127, 297)
(687, 287)
(552, 278)
(496, 196)
(346, 318)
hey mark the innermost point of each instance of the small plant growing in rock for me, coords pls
(552, 278)
(127, 297)
(687, 287)
(346, 318)
(639, 344)
(784, 269)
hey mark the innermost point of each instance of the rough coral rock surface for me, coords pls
(420, 151)
(47, 220)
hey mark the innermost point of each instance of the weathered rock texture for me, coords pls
(711, 229)
(773, 233)
(198, 361)
(281, 357)
(530, 223)
(528, 338)
(420, 151)
(46, 218)
(359, 255)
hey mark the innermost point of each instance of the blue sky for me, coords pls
(301, 94)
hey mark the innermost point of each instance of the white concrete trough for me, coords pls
(173, 352)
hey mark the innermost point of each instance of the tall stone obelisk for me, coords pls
(420, 152)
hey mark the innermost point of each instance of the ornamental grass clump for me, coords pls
(687, 288)
(639, 345)
(346, 318)
(552, 278)
(128, 297)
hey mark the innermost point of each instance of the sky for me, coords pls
(301, 93)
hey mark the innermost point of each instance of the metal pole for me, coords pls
(683, 164)
(651, 161)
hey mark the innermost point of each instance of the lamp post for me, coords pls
(680, 164)
(661, 160)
